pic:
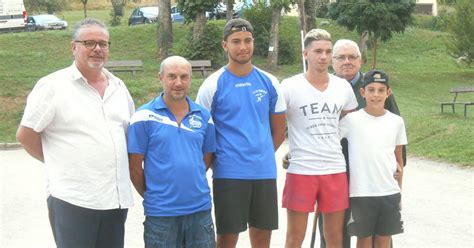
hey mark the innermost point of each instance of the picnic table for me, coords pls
(456, 91)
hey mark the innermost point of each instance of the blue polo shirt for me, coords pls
(241, 108)
(175, 173)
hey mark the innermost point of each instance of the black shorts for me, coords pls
(241, 202)
(380, 215)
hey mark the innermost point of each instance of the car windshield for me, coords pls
(46, 18)
(150, 11)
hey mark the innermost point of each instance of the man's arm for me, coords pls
(208, 157)
(136, 172)
(399, 158)
(277, 122)
(31, 142)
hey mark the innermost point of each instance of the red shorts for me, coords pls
(302, 191)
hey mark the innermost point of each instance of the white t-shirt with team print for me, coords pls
(313, 120)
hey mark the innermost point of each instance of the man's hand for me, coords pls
(285, 160)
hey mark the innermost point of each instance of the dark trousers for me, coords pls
(78, 227)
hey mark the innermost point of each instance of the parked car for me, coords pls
(13, 15)
(176, 15)
(240, 8)
(142, 15)
(44, 22)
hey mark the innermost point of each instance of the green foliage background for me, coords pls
(419, 65)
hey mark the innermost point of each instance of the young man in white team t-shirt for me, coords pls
(317, 172)
(375, 137)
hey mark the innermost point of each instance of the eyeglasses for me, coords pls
(351, 58)
(92, 44)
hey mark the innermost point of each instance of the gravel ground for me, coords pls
(438, 203)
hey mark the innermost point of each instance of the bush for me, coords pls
(208, 47)
(261, 18)
(50, 6)
(322, 10)
(435, 23)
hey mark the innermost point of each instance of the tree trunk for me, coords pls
(199, 24)
(85, 8)
(302, 15)
(165, 29)
(374, 52)
(272, 59)
(363, 45)
(310, 14)
(230, 9)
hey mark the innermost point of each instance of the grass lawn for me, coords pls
(420, 69)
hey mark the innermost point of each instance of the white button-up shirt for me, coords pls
(83, 137)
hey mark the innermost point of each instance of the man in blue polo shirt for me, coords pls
(174, 137)
(248, 112)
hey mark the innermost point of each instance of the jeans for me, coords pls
(194, 230)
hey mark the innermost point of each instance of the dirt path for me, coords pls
(438, 203)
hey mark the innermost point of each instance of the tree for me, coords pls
(117, 11)
(461, 28)
(195, 10)
(84, 2)
(165, 29)
(310, 13)
(302, 15)
(230, 9)
(277, 6)
(50, 6)
(380, 18)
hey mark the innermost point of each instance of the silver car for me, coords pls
(45, 22)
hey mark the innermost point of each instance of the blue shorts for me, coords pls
(187, 231)
(78, 227)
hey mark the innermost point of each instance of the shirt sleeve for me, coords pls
(40, 106)
(344, 126)
(137, 142)
(401, 135)
(209, 145)
(278, 99)
(351, 102)
(206, 93)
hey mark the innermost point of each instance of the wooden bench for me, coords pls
(124, 66)
(203, 66)
(456, 91)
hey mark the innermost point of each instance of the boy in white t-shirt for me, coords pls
(375, 138)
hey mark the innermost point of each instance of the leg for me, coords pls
(260, 237)
(297, 222)
(364, 242)
(382, 241)
(162, 232)
(112, 228)
(72, 226)
(333, 223)
(321, 231)
(263, 215)
(227, 240)
(199, 230)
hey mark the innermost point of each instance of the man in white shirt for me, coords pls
(75, 122)
(315, 101)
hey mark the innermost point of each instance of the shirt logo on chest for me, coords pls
(259, 94)
(195, 122)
